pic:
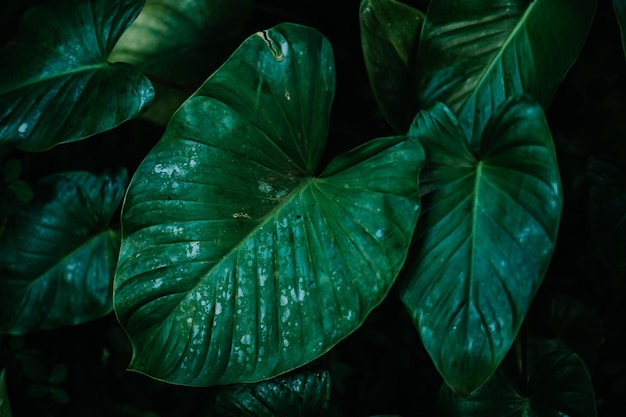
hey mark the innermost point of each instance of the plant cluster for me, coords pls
(190, 191)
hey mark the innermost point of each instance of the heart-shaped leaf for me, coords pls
(56, 85)
(58, 254)
(485, 237)
(389, 38)
(237, 263)
(475, 54)
(179, 43)
(560, 385)
(302, 394)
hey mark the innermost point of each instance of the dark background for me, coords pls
(382, 367)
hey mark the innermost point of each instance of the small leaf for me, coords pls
(58, 254)
(301, 394)
(54, 73)
(389, 38)
(236, 260)
(559, 385)
(59, 395)
(11, 170)
(58, 374)
(485, 236)
(21, 190)
(475, 54)
(179, 43)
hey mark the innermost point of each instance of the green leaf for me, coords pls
(485, 236)
(5, 404)
(54, 73)
(475, 54)
(619, 7)
(389, 37)
(179, 43)
(607, 214)
(238, 264)
(303, 394)
(58, 254)
(559, 386)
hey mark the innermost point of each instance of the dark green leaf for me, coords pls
(11, 170)
(179, 43)
(619, 7)
(607, 214)
(237, 264)
(5, 404)
(58, 254)
(475, 54)
(389, 38)
(54, 73)
(485, 237)
(578, 326)
(303, 394)
(559, 386)
(21, 190)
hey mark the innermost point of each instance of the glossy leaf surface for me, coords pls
(475, 54)
(179, 43)
(54, 73)
(485, 237)
(302, 394)
(389, 38)
(58, 254)
(237, 263)
(559, 386)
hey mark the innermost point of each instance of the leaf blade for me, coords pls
(485, 238)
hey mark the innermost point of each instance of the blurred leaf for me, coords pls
(59, 395)
(179, 43)
(58, 254)
(11, 170)
(474, 54)
(577, 326)
(303, 394)
(607, 214)
(54, 73)
(619, 7)
(58, 374)
(389, 38)
(238, 263)
(5, 404)
(559, 386)
(484, 239)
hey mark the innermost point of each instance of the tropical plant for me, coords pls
(173, 176)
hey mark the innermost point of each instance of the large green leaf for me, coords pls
(58, 254)
(474, 54)
(559, 386)
(389, 37)
(485, 236)
(237, 263)
(302, 394)
(55, 83)
(179, 43)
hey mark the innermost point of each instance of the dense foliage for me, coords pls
(241, 208)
